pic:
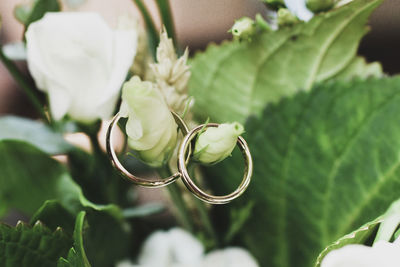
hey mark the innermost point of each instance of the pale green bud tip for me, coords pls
(320, 5)
(243, 28)
(286, 18)
(151, 128)
(215, 144)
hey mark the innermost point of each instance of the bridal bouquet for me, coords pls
(321, 123)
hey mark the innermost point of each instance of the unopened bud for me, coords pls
(215, 144)
(286, 18)
(243, 29)
(320, 5)
(151, 128)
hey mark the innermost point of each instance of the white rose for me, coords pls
(382, 254)
(215, 144)
(229, 257)
(80, 62)
(151, 128)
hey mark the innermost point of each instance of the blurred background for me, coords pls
(197, 24)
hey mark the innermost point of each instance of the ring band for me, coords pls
(248, 170)
(125, 173)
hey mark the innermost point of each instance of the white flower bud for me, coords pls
(244, 28)
(215, 144)
(151, 128)
(80, 62)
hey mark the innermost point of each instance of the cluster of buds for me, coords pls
(171, 74)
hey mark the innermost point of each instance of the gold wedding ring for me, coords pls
(124, 172)
(183, 159)
(248, 169)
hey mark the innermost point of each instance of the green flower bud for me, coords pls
(151, 128)
(215, 144)
(320, 5)
(243, 29)
(286, 18)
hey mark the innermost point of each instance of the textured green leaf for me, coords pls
(38, 246)
(77, 255)
(359, 236)
(325, 162)
(234, 80)
(34, 132)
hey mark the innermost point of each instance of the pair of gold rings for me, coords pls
(183, 158)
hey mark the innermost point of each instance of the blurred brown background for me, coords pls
(198, 23)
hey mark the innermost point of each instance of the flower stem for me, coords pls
(152, 32)
(176, 196)
(23, 84)
(204, 214)
(164, 9)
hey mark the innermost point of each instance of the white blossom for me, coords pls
(178, 248)
(80, 62)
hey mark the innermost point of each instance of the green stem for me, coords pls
(176, 196)
(110, 185)
(164, 9)
(23, 84)
(204, 215)
(152, 32)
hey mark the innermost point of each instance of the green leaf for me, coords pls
(22, 13)
(38, 246)
(234, 80)
(107, 240)
(27, 14)
(359, 68)
(144, 210)
(325, 162)
(77, 255)
(359, 236)
(33, 132)
(29, 177)
(54, 215)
